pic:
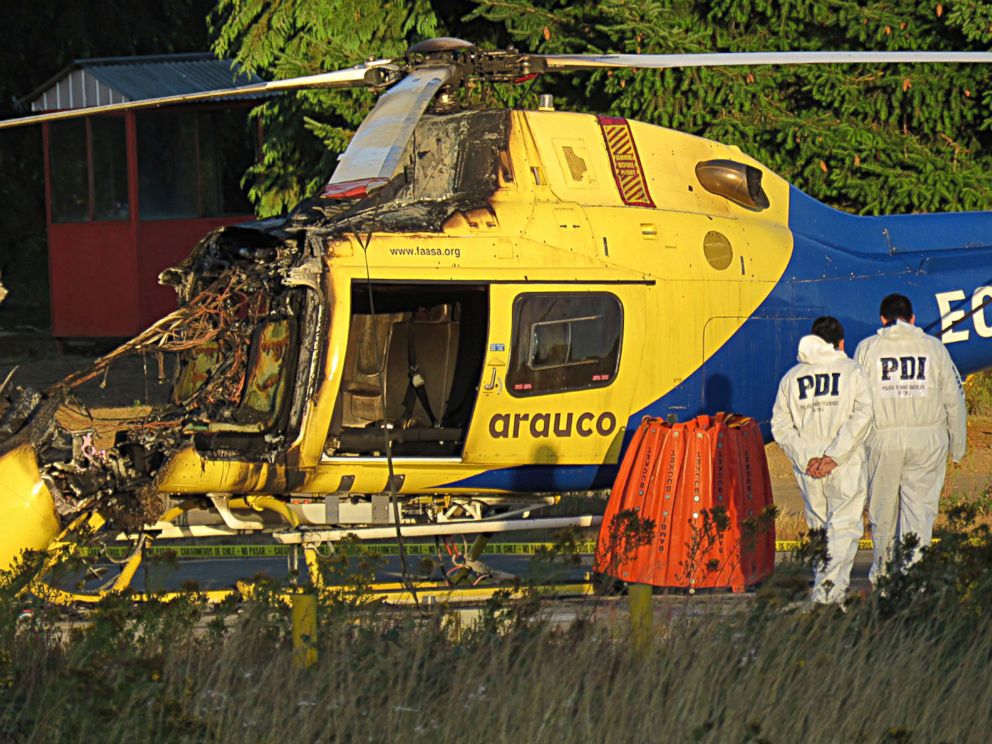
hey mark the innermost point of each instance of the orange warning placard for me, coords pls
(626, 163)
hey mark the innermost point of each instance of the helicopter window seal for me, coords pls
(564, 341)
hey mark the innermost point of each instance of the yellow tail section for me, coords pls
(27, 511)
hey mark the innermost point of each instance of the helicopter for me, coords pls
(472, 317)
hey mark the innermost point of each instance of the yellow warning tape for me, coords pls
(787, 546)
(278, 551)
(194, 551)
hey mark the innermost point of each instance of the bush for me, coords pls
(908, 664)
(978, 394)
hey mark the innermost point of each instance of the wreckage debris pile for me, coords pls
(206, 343)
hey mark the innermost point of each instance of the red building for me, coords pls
(128, 195)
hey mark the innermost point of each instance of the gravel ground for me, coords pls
(38, 361)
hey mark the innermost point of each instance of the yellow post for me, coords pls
(641, 614)
(313, 567)
(304, 630)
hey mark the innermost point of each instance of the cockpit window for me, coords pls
(564, 341)
(269, 363)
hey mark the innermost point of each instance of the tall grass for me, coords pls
(912, 665)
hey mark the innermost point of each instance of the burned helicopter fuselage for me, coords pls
(236, 366)
(487, 325)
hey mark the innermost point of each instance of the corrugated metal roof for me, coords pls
(91, 82)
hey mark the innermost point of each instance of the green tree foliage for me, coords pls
(290, 38)
(867, 138)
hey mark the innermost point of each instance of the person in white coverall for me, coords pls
(821, 419)
(919, 413)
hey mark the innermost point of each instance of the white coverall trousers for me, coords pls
(906, 469)
(836, 503)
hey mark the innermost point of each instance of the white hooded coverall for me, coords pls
(823, 407)
(919, 409)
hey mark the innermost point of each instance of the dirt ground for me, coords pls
(968, 481)
(37, 361)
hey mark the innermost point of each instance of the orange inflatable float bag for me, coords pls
(687, 509)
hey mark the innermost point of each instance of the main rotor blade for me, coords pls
(744, 59)
(352, 77)
(375, 151)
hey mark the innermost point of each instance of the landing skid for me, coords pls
(468, 579)
(455, 527)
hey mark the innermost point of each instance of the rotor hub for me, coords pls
(468, 62)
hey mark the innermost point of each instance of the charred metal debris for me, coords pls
(240, 356)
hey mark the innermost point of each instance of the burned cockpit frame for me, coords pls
(242, 354)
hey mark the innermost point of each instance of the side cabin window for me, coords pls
(564, 341)
(190, 163)
(88, 164)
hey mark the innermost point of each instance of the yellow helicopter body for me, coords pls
(558, 226)
(474, 316)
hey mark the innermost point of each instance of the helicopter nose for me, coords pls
(27, 510)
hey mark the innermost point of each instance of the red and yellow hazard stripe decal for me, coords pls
(625, 161)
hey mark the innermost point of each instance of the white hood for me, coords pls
(900, 330)
(814, 350)
(823, 406)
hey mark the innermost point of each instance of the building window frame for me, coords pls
(56, 173)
